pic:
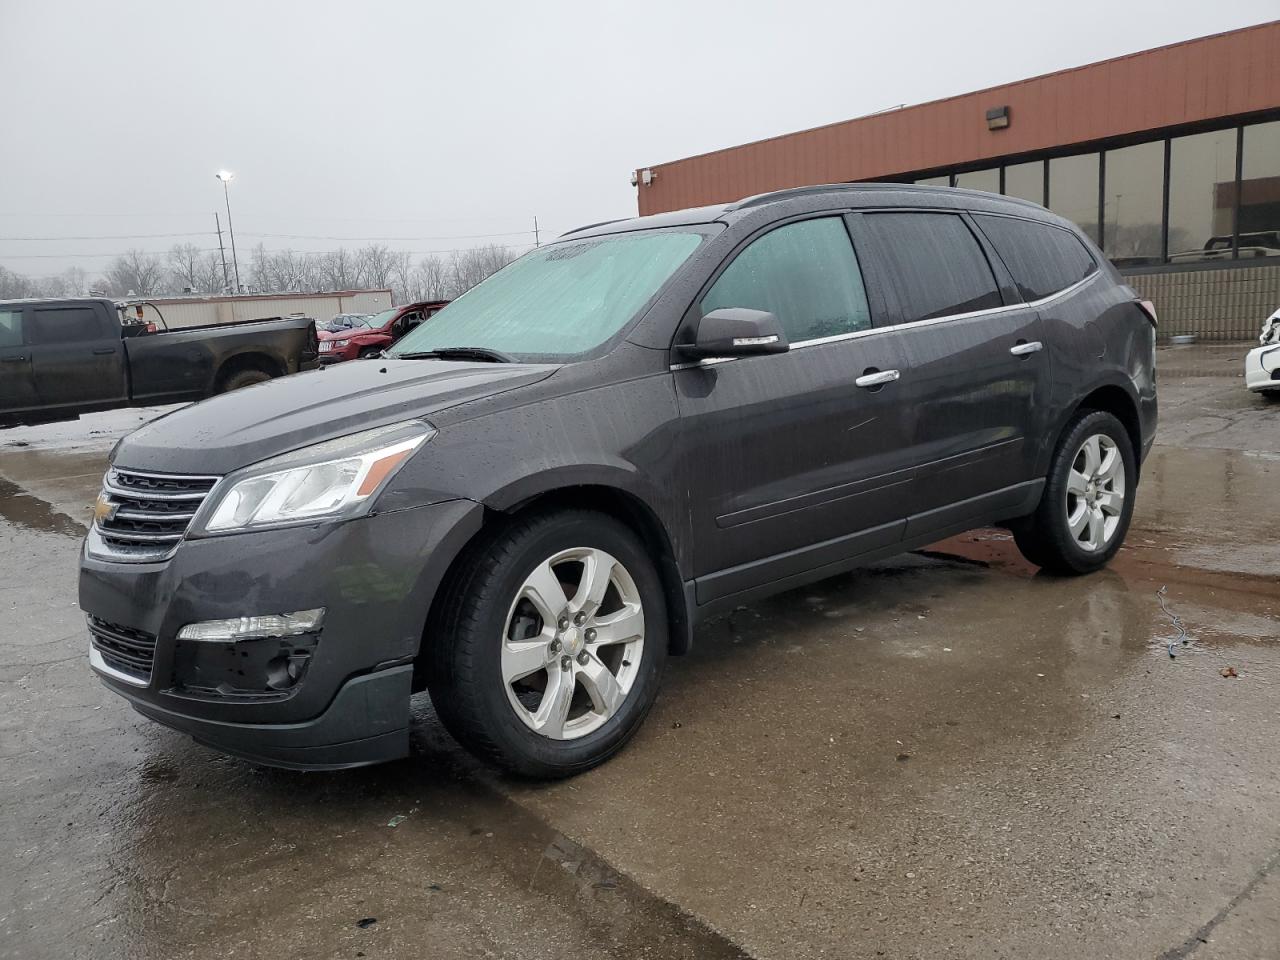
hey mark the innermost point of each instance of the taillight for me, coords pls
(1149, 309)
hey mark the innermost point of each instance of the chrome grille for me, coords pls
(149, 514)
(125, 652)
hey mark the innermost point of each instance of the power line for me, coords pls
(120, 236)
(457, 236)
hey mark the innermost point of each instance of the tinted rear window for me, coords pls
(934, 262)
(1043, 259)
(67, 325)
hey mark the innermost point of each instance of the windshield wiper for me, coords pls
(457, 353)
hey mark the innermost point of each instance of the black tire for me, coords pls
(368, 352)
(1045, 537)
(244, 378)
(464, 667)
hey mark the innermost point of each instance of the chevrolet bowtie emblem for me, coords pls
(104, 509)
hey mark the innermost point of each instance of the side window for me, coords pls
(935, 263)
(65, 325)
(1042, 258)
(10, 328)
(805, 274)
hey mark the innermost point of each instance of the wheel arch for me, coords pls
(1109, 397)
(624, 505)
(247, 360)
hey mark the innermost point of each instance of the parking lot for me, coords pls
(942, 755)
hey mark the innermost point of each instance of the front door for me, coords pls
(979, 375)
(77, 356)
(790, 464)
(17, 386)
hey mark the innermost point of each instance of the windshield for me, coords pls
(378, 319)
(558, 301)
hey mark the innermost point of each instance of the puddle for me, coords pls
(20, 508)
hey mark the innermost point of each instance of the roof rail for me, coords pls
(763, 198)
(589, 226)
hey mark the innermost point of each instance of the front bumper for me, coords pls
(375, 576)
(1262, 368)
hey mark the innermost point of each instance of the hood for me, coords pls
(248, 425)
(344, 334)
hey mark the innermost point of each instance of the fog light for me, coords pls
(254, 628)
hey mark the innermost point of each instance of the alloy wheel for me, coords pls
(1095, 493)
(572, 643)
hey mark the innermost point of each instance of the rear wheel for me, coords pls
(1087, 503)
(244, 378)
(551, 644)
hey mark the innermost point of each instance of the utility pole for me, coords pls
(535, 231)
(226, 280)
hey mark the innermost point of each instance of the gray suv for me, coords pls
(527, 504)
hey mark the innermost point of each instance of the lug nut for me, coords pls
(579, 618)
(555, 646)
(591, 634)
(564, 623)
(583, 658)
(564, 662)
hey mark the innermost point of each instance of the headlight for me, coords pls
(333, 480)
(341, 343)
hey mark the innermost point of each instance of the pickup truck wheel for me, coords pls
(551, 644)
(1087, 503)
(244, 378)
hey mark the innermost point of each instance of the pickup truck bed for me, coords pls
(62, 358)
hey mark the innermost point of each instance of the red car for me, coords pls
(368, 335)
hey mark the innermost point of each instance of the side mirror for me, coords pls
(736, 332)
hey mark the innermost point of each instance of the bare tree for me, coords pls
(14, 285)
(469, 267)
(185, 266)
(337, 270)
(210, 278)
(404, 279)
(432, 279)
(136, 273)
(376, 265)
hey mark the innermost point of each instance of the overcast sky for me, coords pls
(442, 121)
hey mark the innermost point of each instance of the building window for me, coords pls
(1259, 226)
(943, 181)
(988, 180)
(1025, 181)
(1073, 190)
(1202, 191)
(1132, 204)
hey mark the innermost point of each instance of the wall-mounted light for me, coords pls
(997, 118)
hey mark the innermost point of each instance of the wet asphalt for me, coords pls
(942, 755)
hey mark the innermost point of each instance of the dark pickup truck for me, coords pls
(62, 358)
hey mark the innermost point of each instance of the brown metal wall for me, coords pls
(1225, 75)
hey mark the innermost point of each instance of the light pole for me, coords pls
(226, 176)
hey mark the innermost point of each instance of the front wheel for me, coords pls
(551, 642)
(1087, 502)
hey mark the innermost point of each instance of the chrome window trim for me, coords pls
(871, 331)
(97, 663)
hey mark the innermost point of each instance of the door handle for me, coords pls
(877, 378)
(104, 351)
(1022, 348)
(13, 359)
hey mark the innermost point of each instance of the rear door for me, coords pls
(17, 386)
(979, 375)
(77, 356)
(790, 464)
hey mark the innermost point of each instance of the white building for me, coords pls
(194, 311)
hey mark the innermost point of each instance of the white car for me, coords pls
(1262, 364)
